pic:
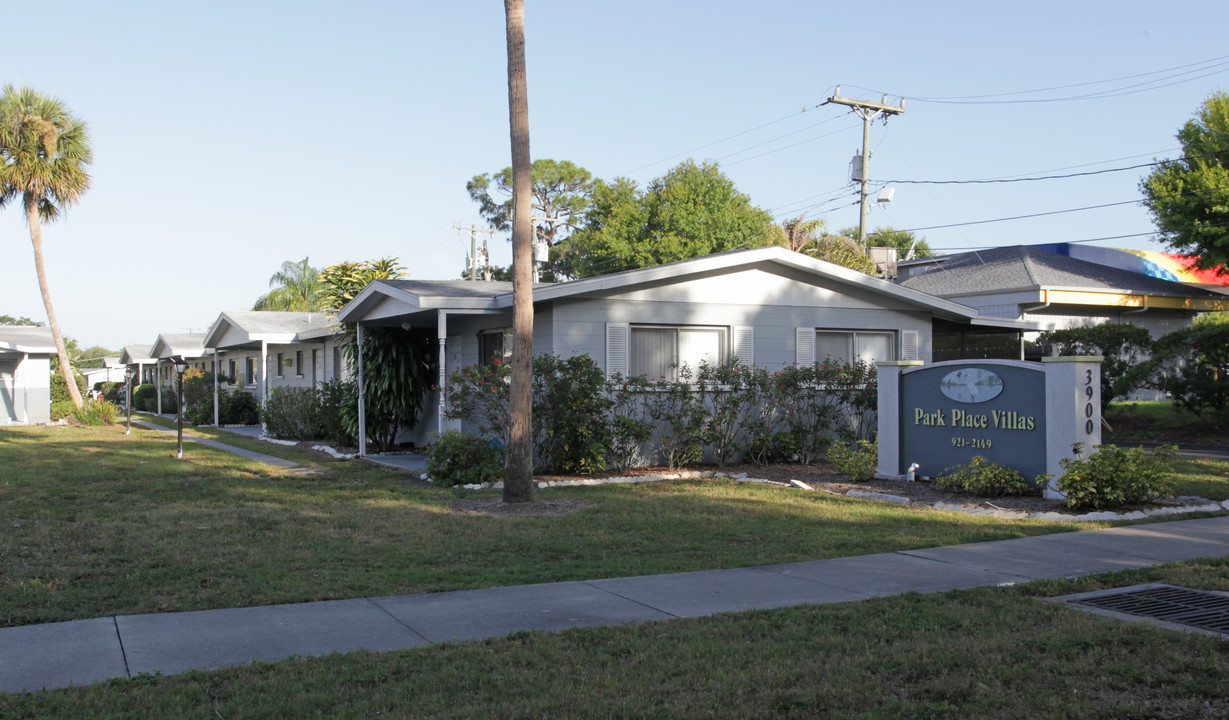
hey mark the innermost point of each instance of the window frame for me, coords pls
(724, 350)
(893, 337)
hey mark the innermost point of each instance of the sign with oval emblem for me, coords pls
(971, 385)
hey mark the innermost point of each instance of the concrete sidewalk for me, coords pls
(88, 651)
(250, 455)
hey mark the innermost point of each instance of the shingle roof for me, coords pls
(452, 288)
(277, 321)
(1019, 267)
(136, 353)
(27, 338)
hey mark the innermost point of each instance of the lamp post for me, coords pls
(129, 374)
(181, 366)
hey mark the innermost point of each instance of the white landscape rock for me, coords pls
(800, 485)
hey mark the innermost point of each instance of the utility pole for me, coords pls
(867, 111)
(538, 241)
(473, 247)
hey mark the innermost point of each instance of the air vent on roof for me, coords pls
(1208, 611)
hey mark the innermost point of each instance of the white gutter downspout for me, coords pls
(442, 335)
(362, 400)
(215, 387)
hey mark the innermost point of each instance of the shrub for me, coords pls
(569, 404)
(985, 479)
(145, 398)
(1113, 477)
(96, 412)
(630, 419)
(61, 409)
(678, 408)
(111, 391)
(454, 458)
(731, 397)
(1191, 365)
(291, 413)
(859, 463)
(236, 407)
(336, 403)
(59, 388)
(1123, 348)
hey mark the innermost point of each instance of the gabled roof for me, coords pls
(241, 328)
(1021, 267)
(169, 345)
(26, 339)
(415, 296)
(136, 355)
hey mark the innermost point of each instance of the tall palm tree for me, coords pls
(44, 152)
(295, 287)
(518, 468)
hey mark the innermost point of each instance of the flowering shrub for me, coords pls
(454, 458)
(583, 422)
(569, 408)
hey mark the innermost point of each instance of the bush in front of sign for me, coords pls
(859, 464)
(1113, 476)
(985, 479)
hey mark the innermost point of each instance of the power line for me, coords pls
(1060, 212)
(1218, 62)
(1046, 177)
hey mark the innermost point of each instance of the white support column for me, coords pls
(158, 383)
(216, 367)
(264, 380)
(362, 399)
(442, 335)
(889, 415)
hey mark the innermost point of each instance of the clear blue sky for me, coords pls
(232, 136)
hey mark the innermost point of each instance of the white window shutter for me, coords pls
(909, 340)
(616, 348)
(804, 345)
(744, 345)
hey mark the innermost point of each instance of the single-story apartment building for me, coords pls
(25, 374)
(766, 306)
(264, 349)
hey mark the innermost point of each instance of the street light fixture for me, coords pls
(129, 374)
(181, 366)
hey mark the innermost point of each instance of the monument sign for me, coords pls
(1023, 415)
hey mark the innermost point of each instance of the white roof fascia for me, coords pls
(355, 309)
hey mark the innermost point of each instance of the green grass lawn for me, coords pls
(982, 653)
(99, 523)
(1136, 422)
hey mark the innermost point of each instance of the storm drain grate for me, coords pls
(1195, 608)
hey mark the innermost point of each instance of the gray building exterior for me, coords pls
(25, 375)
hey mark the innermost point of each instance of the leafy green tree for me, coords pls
(23, 321)
(1189, 197)
(1191, 365)
(691, 211)
(93, 356)
(398, 365)
(295, 287)
(902, 240)
(560, 195)
(44, 153)
(1124, 347)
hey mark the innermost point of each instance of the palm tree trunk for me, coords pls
(518, 468)
(36, 238)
